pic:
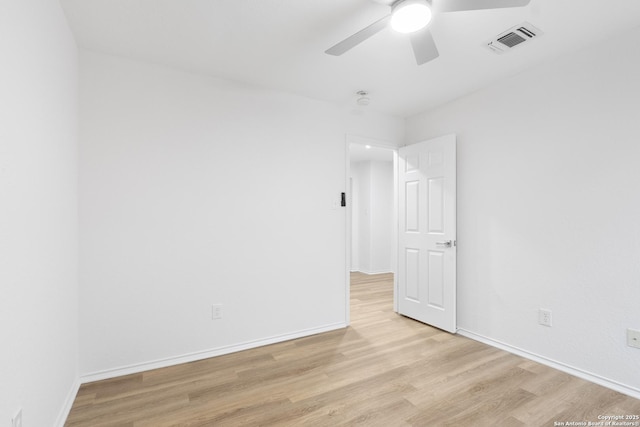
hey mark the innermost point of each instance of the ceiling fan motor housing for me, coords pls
(408, 16)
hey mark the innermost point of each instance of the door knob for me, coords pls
(446, 243)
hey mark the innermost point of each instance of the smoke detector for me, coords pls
(363, 99)
(513, 37)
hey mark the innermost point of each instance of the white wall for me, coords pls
(38, 213)
(549, 207)
(197, 191)
(381, 216)
(372, 216)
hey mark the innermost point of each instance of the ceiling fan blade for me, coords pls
(358, 37)
(461, 5)
(424, 47)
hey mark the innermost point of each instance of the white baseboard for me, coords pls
(597, 379)
(68, 403)
(192, 357)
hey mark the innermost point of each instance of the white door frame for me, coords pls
(360, 140)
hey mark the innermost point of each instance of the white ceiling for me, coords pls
(280, 44)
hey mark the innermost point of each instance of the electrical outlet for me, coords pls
(216, 311)
(16, 421)
(544, 317)
(633, 338)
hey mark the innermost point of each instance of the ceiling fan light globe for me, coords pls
(410, 16)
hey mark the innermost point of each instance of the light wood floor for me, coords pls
(384, 370)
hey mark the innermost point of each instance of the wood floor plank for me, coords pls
(384, 370)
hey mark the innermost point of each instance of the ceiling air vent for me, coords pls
(516, 36)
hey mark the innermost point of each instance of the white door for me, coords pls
(427, 232)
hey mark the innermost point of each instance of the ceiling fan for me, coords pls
(412, 17)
